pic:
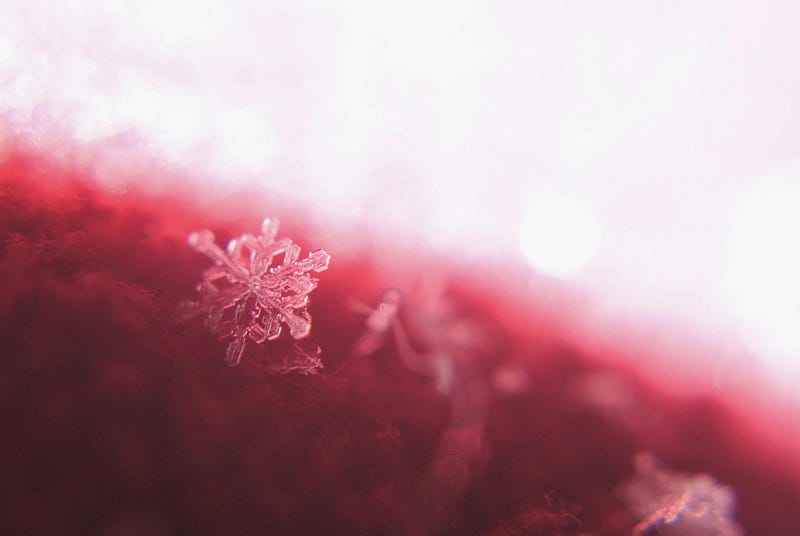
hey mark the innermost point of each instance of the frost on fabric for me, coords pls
(679, 504)
(298, 360)
(254, 288)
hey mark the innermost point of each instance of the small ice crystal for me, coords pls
(679, 504)
(254, 288)
(379, 320)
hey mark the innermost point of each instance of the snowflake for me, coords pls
(432, 322)
(260, 280)
(679, 504)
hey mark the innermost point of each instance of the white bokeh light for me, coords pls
(174, 23)
(763, 273)
(246, 139)
(558, 234)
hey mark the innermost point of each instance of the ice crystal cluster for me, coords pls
(679, 504)
(254, 288)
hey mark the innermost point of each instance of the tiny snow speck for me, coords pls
(254, 288)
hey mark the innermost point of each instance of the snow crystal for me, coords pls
(379, 320)
(254, 288)
(679, 504)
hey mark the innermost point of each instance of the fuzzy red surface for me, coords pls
(119, 421)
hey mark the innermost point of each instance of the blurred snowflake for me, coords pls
(379, 321)
(254, 288)
(432, 335)
(679, 504)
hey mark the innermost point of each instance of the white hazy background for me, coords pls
(645, 153)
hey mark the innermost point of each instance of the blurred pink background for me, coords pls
(642, 156)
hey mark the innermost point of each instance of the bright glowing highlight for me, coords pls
(559, 235)
(763, 273)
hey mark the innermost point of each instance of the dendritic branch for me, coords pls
(254, 288)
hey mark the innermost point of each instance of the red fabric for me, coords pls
(119, 421)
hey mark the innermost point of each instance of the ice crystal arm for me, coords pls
(317, 261)
(248, 294)
(203, 242)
